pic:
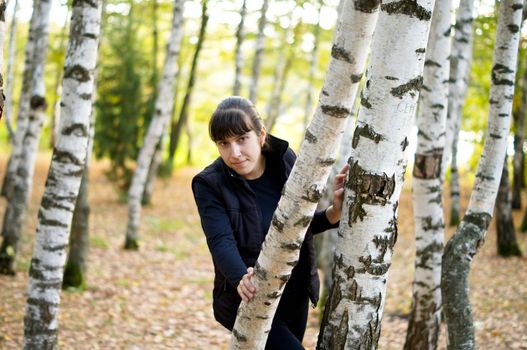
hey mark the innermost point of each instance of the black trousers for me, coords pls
(289, 323)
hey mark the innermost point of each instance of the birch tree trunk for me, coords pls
(460, 59)
(19, 194)
(23, 105)
(308, 109)
(153, 170)
(240, 36)
(8, 106)
(307, 180)
(183, 115)
(519, 138)
(329, 239)
(425, 316)
(62, 185)
(368, 227)
(506, 242)
(258, 52)
(163, 108)
(468, 238)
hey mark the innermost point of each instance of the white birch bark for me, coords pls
(240, 36)
(23, 177)
(425, 316)
(23, 105)
(163, 109)
(368, 227)
(460, 60)
(8, 106)
(470, 235)
(307, 180)
(258, 52)
(62, 185)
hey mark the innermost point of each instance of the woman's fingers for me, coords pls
(245, 288)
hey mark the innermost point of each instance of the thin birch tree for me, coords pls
(9, 82)
(240, 36)
(258, 52)
(425, 315)
(163, 109)
(470, 234)
(64, 177)
(368, 227)
(305, 185)
(460, 60)
(19, 194)
(23, 105)
(177, 127)
(519, 138)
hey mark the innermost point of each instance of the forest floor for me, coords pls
(160, 296)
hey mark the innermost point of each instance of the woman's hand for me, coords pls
(333, 212)
(245, 288)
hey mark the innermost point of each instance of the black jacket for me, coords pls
(230, 218)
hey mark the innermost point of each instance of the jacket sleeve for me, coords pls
(218, 231)
(320, 222)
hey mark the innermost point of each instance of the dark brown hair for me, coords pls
(234, 116)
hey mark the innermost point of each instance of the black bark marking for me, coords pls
(239, 337)
(513, 28)
(517, 7)
(367, 132)
(423, 256)
(438, 106)
(427, 166)
(413, 86)
(503, 115)
(390, 78)
(292, 246)
(429, 225)
(335, 111)
(56, 248)
(89, 36)
(420, 50)
(38, 102)
(368, 6)
(404, 144)
(260, 271)
(313, 194)
(78, 129)
(77, 72)
(355, 78)
(339, 53)
(408, 7)
(495, 136)
(277, 223)
(304, 221)
(370, 189)
(326, 162)
(310, 137)
(364, 102)
(65, 157)
(484, 177)
(325, 93)
(86, 96)
(274, 295)
(430, 63)
(497, 71)
(82, 3)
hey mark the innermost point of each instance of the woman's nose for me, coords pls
(235, 150)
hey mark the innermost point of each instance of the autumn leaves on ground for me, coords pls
(160, 296)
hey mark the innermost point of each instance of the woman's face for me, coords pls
(243, 154)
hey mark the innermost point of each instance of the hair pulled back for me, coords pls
(234, 116)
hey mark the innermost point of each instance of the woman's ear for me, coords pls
(263, 135)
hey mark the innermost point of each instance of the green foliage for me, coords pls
(121, 99)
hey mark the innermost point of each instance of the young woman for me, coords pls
(236, 197)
